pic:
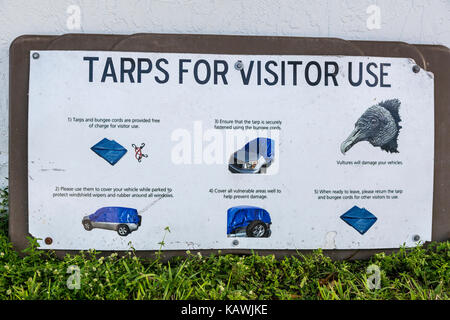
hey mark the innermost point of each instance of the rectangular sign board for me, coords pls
(228, 151)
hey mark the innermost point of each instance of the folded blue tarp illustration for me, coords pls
(109, 150)
(359, 218)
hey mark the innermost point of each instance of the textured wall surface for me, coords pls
(413, 21)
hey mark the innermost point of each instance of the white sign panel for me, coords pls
(203, 151)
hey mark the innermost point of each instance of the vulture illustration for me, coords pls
(379, 125)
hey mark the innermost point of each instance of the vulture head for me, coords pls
(379, 125)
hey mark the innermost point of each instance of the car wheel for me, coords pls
(256, 229)
(268, 233)
(87, 225)
(123, 230)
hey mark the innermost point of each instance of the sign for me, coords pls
(206, 151)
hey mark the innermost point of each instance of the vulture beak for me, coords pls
(352, 139)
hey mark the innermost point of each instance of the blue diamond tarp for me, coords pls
(359, 218)
(109, 150)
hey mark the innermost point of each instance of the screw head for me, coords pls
(415, 68)
(48, 240)
(239, 65)
(235, 242)
(35, 55)
(416, 237)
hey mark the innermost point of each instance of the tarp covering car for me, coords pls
(260, 146)
(254, 157)
(242, 216)
(115, 215)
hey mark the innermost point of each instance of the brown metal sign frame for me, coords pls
(429, 57)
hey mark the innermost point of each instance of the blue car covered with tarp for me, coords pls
(120, 219)
(254, 157)
(248, 220)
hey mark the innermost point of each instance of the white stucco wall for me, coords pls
(413, 21)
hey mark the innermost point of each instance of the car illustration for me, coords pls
(120, 219)
(252, 221)
(255, 157)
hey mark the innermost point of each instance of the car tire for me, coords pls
(268, 233)
(123, 230)
(87, 225)
(256, 229)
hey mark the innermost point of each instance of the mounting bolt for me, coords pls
(35, 55)
(235, 242)
(48, 241)
(416, 237)
(415, 68)
(239, 65)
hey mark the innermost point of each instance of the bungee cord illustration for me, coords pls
(138, 152)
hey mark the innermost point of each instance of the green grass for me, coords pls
(419, 273)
